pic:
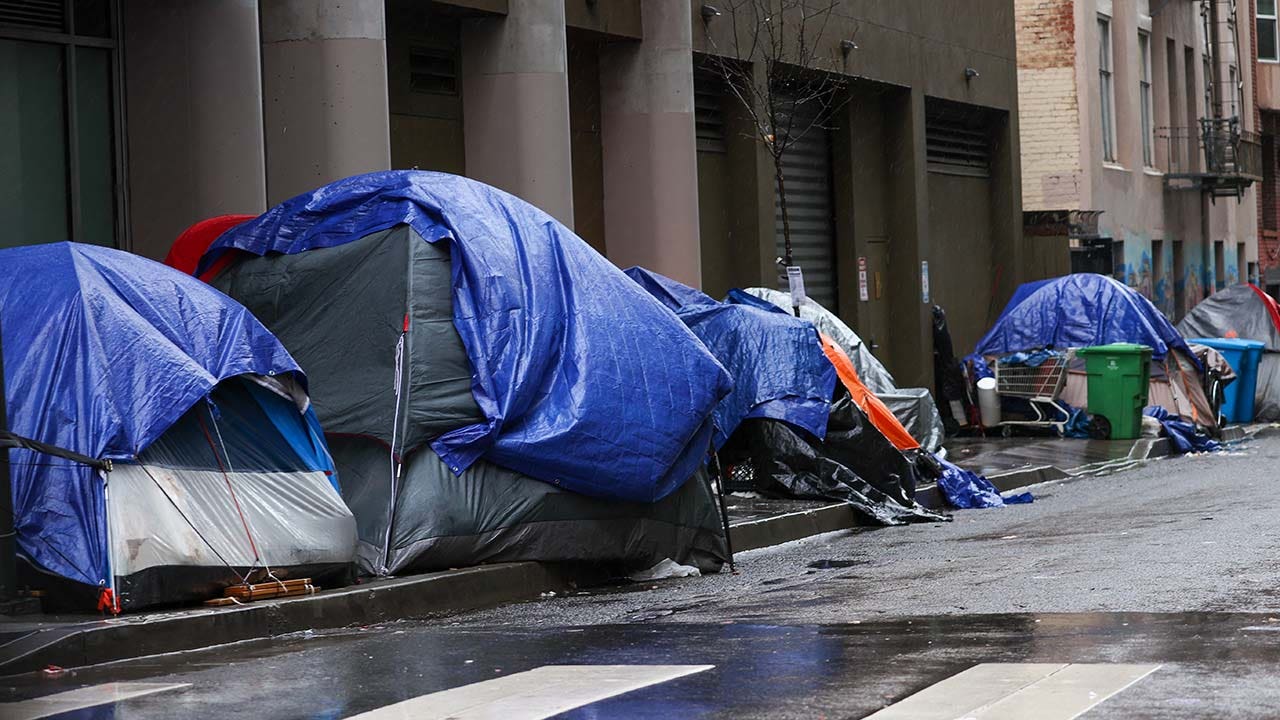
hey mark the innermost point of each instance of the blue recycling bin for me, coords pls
(1243, 356)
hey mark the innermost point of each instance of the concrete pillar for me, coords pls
(515, 100)
(193, 95)
(650, 148)
(910, 356)
(324, 77)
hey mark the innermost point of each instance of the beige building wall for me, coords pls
(1146, 210)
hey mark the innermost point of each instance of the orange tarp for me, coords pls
(879, 413)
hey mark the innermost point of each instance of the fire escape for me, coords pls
(1218, 157)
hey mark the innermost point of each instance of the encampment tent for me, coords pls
(219, 469)
(780, 427)
(492, 387)
(915, 408)
(1247, 313)
(1085, 309)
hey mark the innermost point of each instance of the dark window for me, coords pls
(59, 135)
(1267, 35)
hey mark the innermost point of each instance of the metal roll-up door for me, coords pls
(806, 172)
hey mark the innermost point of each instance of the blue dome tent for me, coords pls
(1086, 309)
(219, 469)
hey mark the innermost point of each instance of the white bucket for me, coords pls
(988, 402)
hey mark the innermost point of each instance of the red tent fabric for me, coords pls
(191, 244)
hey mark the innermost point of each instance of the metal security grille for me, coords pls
(806, 172)
(433, 71)
(38, 14)
(955, 149)
(708, 114)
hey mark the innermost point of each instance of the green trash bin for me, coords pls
(1118, 379)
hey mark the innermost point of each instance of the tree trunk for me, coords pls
(786, 221)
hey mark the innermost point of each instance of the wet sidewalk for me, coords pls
(30, 643)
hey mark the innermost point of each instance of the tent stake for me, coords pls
(718, 475)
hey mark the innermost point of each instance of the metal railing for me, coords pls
(1218, 150)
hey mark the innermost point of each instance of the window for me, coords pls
(1106, 93)
(59, 132)
(1144, 98)
(1268, 45)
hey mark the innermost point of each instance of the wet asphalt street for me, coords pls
(1169, 574)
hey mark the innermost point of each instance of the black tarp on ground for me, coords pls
(855, 464)
(340, 312)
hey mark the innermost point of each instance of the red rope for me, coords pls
(209, 439)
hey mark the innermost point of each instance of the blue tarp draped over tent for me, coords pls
(1080, 310)
(778, 367)
(103, 352)
(583, 379)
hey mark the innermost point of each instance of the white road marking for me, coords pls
(967, 691)
(1015, 691)
(81, 698)
(538, 693)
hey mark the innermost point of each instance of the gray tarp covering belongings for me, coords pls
(775, 443)
(219, 471)
(1247, 313)
(571, 352)
(914, 407)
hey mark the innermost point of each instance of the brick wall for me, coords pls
(1049, 116)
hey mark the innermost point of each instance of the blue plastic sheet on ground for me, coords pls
(103, 352)
(779, 370)
(967, 490)
(1079, 310)
(584, 380)
(1185, 436)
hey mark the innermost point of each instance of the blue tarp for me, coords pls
(1185, 436)
(776, 360)
(103, 352)
(968, 490)
(1079, 310)
(583, 379)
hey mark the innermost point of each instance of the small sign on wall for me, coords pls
(864, 293)
(924, 281)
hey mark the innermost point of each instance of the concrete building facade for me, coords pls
(1140, 151)
(1266, 50)
(149, 115)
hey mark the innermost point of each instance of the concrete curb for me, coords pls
(420, 596)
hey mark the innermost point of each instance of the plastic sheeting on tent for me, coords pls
(556, 335)
(1248, 313)
(1079, 310)
(776, 361)
(915, 408)
(104, 353)
(876, 411)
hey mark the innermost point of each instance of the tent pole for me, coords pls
(718, 477)
(8, 534)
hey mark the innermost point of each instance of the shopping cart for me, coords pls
(1039, 385)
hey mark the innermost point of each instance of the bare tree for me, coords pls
(778, 64)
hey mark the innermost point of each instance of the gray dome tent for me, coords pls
(340, 311)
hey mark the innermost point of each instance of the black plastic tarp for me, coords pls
(855, 464)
